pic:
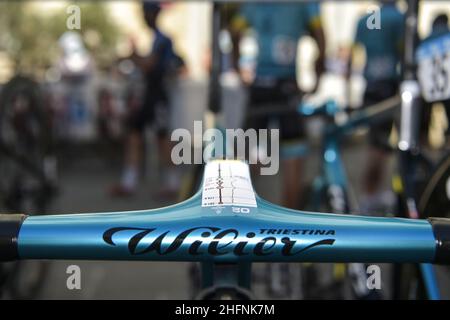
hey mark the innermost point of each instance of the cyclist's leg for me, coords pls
(134, 145)
(281, 94)
(292, 168)
(281, 275)
(292, 188)
(374, 199)
(169, 173)
(291, 129)
(425, 122)
(259, 98)
(447, 113)
(133, 155)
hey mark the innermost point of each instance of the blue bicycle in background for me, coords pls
(330, 190)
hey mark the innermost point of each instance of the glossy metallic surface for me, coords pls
(189, 232)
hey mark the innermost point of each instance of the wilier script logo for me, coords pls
(215, 241)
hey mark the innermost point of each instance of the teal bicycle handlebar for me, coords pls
(212, 228)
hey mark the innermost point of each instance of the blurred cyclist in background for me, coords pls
(383, 48)
(155, 67)
(76, 66)
(434, 78)
(278, 28)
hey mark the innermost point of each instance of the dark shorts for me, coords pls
(446, 104)
(279, 95)
(377, 92)
(155, 97)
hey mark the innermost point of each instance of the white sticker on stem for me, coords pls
(227, 182)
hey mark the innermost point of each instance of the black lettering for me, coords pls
(289, 245)
(259, 248)
(239, 248)
(193, 248)
(214, 247)
(156, 245)
(107, 236)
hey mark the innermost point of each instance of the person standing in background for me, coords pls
(278, 28)
(155, 67)
(434, 77)
(383, 50)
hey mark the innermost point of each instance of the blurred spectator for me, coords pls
(383, 48)
(76, 67)
(156, 67)
(440, 30)
(278, 28)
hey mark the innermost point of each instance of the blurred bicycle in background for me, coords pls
(28, 171)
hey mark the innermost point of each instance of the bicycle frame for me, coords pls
(333, 173)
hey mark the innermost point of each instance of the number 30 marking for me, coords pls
(240, 210)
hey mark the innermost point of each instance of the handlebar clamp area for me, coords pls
(441, 231)
(9, 231)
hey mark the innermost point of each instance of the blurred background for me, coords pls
(86, 82)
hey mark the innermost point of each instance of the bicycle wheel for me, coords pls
(334, 280)
(434, 199)
(322, 280)
(25, 146)
(24, 279)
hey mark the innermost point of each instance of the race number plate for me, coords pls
(226, 183)
(433, 71)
